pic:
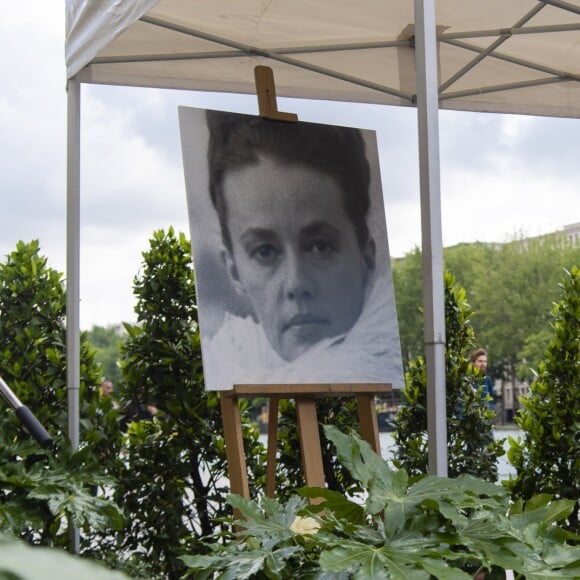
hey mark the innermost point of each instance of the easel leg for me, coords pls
(234, 445)
(367, 416)
(310, 442)
(272, 447)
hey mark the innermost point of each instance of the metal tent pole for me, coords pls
(432, 240)
(73, 269)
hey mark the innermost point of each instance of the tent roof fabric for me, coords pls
(521, 56)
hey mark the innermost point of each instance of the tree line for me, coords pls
(510, 288)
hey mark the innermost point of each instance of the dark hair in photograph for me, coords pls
(237, 141)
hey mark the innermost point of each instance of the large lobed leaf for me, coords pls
(429, 527)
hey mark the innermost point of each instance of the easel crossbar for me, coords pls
(286, 391)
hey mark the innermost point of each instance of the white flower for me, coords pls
(305, 526)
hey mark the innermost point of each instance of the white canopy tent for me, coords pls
(520, 56)
(516, 56)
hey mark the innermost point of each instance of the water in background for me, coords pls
(505, 469)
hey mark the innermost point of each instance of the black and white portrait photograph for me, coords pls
(291, 254)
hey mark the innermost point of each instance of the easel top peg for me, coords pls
(266, 92)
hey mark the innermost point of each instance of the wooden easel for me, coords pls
(305, 395)
(307, 424)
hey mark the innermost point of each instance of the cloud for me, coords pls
(129, 182)
(506, 201)
(547, 147)
(32, 122)
(500, 174)
(108, 268)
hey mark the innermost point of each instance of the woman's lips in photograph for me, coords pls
(304, 323)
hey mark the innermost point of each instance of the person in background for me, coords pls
(479, 361)
(106, 388)
(137, 411)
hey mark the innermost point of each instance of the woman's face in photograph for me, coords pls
(295, 253)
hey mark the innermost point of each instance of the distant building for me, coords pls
(507, 397)
(572, 232)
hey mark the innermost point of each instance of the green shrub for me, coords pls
(547, 459)
(42, 492)
(21, 562)
(172, 470)
(400, 528)
(472, 448)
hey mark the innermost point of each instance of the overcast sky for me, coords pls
(502, 176)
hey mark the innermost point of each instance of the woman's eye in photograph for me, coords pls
(265, 253)
(321, 248)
